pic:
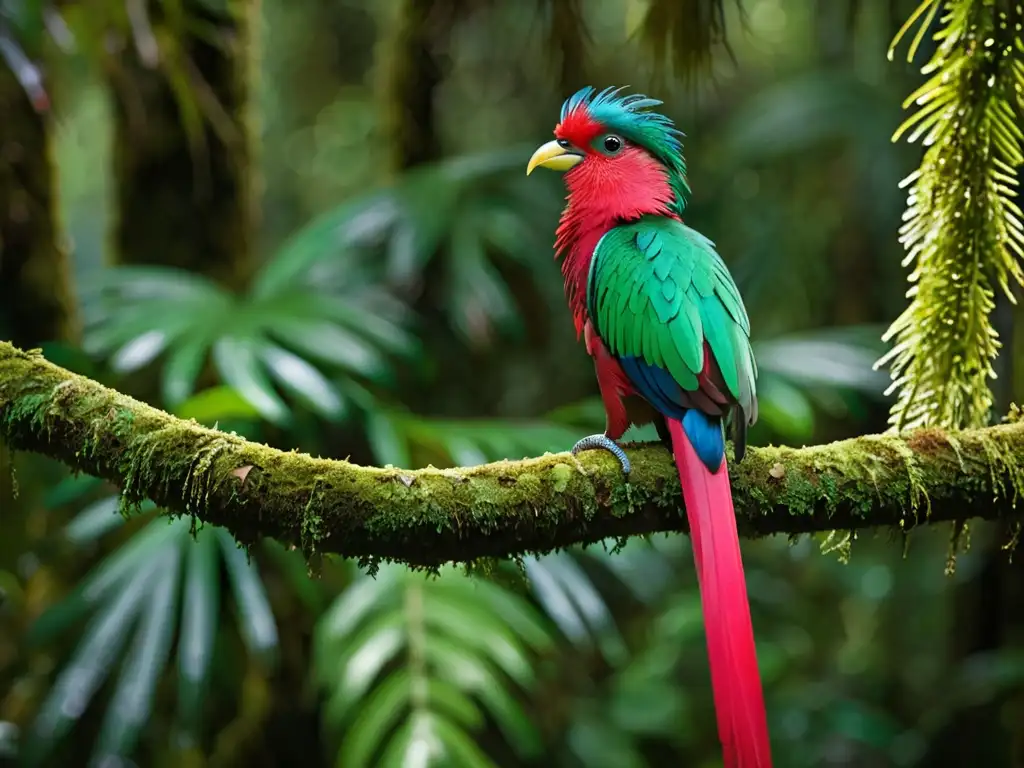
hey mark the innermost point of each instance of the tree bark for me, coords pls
(411, 70)
(428, 517)
(187, 184)
(36, 303)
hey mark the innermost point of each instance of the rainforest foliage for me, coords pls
(252, 239)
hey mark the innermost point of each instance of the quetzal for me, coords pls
(665, 324)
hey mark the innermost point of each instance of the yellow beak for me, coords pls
(552, 156)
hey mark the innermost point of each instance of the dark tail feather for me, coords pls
(735, 680)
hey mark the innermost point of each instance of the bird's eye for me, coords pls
(564, 143)
(612, 143)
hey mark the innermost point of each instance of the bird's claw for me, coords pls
(605, 443)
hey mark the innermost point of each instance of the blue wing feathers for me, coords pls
(658, 387)
(654, 384)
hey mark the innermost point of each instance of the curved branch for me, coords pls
(427, 517)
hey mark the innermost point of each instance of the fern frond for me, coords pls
(962, 229)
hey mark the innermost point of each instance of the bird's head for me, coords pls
(614, 146)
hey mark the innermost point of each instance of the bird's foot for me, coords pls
(604, 443)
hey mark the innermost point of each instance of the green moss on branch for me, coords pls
(431, 516)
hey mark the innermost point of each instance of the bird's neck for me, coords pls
(603, 193)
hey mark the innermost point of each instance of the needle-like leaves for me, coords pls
(962, 229)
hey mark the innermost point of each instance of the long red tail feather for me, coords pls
(732, 657)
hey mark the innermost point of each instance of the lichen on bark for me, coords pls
(508, 508)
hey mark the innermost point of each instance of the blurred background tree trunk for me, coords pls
(36, 303)
(411, 68)
(184, 141)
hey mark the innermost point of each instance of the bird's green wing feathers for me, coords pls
(657, 290)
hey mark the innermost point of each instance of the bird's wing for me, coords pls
(664, 304)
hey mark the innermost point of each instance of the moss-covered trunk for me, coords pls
(36, 302)
(185, 144)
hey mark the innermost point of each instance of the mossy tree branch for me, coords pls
(431, 516)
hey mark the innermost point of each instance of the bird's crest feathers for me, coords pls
(626, 115)
(588, 113)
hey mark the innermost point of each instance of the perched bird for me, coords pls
(665, 324)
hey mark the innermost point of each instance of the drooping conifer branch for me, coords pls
(431, 516)
(962, 231)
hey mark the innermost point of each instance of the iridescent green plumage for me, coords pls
(657, 290)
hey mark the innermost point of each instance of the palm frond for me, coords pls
(412, 665)
(455, 215)
(259, 343)
(135, 598)
(963, 232)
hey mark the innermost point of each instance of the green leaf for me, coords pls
(363, 658)
(386, 441)
(378, 715)
(293, 568)
(471, 673)
(200, 612)
(237, 361)
(444, 697)
(601, 745)
(516, 613)
(648, 707)
(553, 596)
(330, 343)
(303, 380)
(785, 408)
(591, 605)
(113, 573)
(71, 488)
(359, 601)
(140, 351)
(181, 369)
(826, 359)
(460, 747)
(460, 634)
(257, 624)
(156, 283)
(489, 637)
(132, 703)
(84, 673)
(93, 521)
(397, 754)
(216, 404)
